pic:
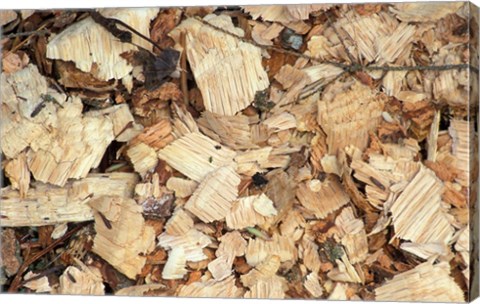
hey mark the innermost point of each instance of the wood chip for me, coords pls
(272, 288)
(353, 235)
(175, 267)
(243, 213)
(200, 151)
(192, 242)
(211, 288)
(241, 64)
(462, 148)
(121, 234)
(258, 250)
(40, 285)
(82, 280)
(426, 282)
(423, 12)
(182, 187)
(312, 284)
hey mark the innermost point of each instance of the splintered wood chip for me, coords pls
(258, 249)
(418, 213)
(179, 224)
(322, 198)
(462, 148)
(122, 234)
(192, 242)
(175, 267)
(242, 72)
(211, 289)
(214, 196)
(312, 284)
(44, 204)
(426, 282)
(81, 281)
(271, 288)
(424, 12)
(263, 271)
(353, 235)
(243, 213)
(182, 187)
(196, 155)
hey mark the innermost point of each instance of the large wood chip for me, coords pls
(426, 282)
(348, 115)
(196, 155)
(101, 56)
(418, 213)
(213, 198)
(182, 187)
(122, 234)
(44, 204)
(353, 235)
(322, 198)
(192, 243)
(211, 289)
(242, 72)
(231, 243)
(82, 280)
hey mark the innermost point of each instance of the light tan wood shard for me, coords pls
(183, 122)
(138, 290)
(214, 196)
(258, 249)
(156, 136)
(46, 137)
(352, 234)
(426, 282)
(242, 72)
(293, 225)
(322, 198)
(7, 16)
(243, 213)
(424, 12)
(143, 157)
(45, 204)
(86, 281)
(179, 223)
(192, 242)
(463, 246)
(309, 255)
(347, 113)
(182, 187)
(122, 234)
(280, 122)
(124, 126)
(345, 271)
(17, 172)
(339, 292)
(271, 288)
(231, 243)
(39, 285)
(175, 267)
(195, 155)
(418, 213)
(211, 289)
(312, 285)
(263, 34)
(221, 267)
(462, 135)
(101, 56)
(232, 131)
(263, 271)
(264, 206)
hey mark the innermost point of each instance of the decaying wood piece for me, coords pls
(211, 288)
(347, 113)
(214, 196)
(101, 56)
(422, 12)
(44, 123)
(81, 281)
(48, 205)
(122, 234)
(196, 155)
(322, 198)
(426, 282)
(242, 71)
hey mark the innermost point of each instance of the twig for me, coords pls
(28, 38)
(34, 33)
(18, 277)
(183, 65)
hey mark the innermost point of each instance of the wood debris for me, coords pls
(121, 234)
(321, 151)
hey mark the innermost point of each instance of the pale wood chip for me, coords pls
(353, 235)
(258, 249)
(424, 12)
(179, 223)
(213, 198)
(243, 213)
(17, 172)
(156, 136)
(312, 285)
(418, 214)
(290, 16)
(242, 72)
(196, 155)
(462, 135)
(322, 198)
(263, 34)
(348, 115)
(211, 289)
(143, 157)
(139, 290)
(263, 271)
(175, 267)
(122, 234)
(264, 206)
(426, 282)
(103, 50)
(221, 267)
(280, 122)
(48, 205)
(40, 285)
(81, 281)
(345, 271)
(309, 255)
(182, 187)
(231, 243)
(396, 45)
(293, 225)
(339, 292)
(192, 242)
(271, 288)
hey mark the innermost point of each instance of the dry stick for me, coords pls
(183, 65)
(27, 39)
(18, 277)
(21, 34)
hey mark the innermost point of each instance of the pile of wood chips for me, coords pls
(235, 151)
